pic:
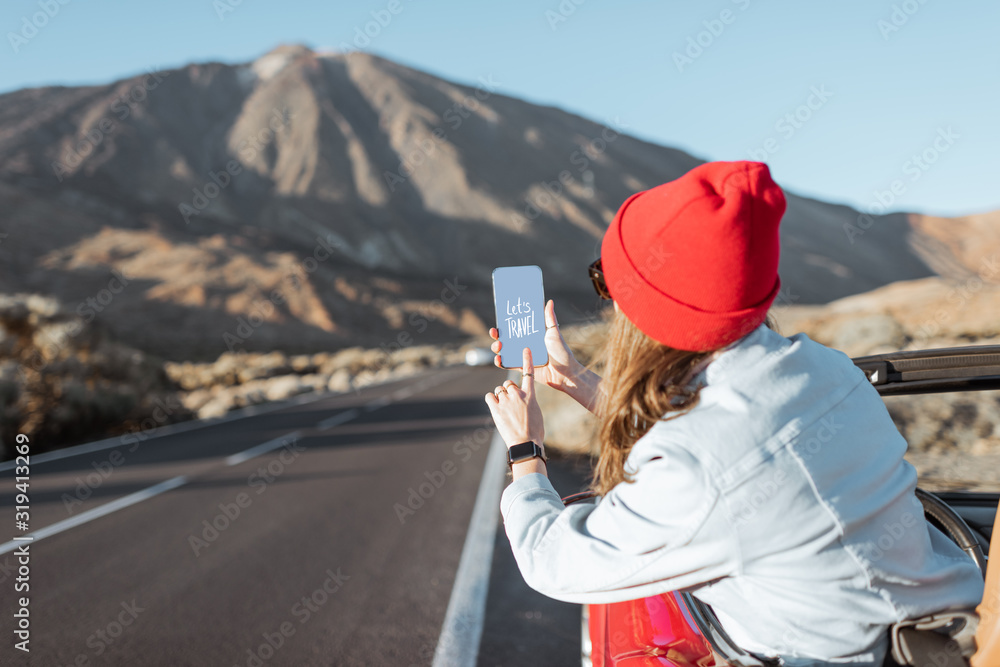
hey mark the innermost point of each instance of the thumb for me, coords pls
(527, 373)
(550, 314)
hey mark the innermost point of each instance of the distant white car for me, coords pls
(479, 356)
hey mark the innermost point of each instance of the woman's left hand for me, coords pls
(515, 409)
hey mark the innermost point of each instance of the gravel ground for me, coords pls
(955, 472)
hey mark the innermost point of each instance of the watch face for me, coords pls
(523, 451)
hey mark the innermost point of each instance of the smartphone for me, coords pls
(520, 306)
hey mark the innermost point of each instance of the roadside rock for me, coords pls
(340, 381)
(286, 386)
(236, 380)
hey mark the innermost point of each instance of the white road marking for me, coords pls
(458, 645)
(262, 448)
(338, 419)
(98, 512)
(403, 393)
(379, 402)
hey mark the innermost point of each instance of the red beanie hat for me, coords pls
(693, 263)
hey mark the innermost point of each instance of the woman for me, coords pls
(761, 472)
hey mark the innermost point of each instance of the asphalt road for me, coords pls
(336, 547)
(524, 628)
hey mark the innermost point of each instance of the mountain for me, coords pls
(964, 248)
(309, 201)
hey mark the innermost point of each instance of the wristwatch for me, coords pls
(524, 451)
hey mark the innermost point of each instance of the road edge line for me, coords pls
(462, 630)
(98, 512)
(262, 448)
(143, 494)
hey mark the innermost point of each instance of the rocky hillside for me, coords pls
(62, 382)
(312, 201)
(908, 315)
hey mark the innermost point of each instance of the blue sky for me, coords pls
(849, 104)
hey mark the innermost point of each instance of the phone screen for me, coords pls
(520, 307)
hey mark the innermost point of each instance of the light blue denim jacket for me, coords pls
(782, 500)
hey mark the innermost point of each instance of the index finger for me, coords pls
(527, 372)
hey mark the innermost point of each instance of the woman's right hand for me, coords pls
(563, 372)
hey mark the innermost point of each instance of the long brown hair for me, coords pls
(643, 382)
